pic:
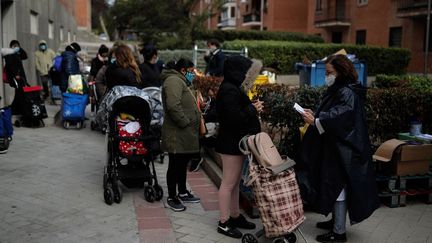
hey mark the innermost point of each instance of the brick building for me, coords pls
(387, 23)
(30, 21)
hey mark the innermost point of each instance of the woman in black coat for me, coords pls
(335, 168)
(237, 117)
(123, 69)
(16, 75)
(150, 73)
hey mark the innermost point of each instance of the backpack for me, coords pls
(57, 63)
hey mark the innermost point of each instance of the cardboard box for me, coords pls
(401, 158)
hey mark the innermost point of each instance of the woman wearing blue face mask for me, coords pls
(335, 162)
(180, 130)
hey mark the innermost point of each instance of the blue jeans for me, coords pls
(339, 216)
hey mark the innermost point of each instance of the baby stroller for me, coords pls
(33, 110)
(275, 190)
(131, 144)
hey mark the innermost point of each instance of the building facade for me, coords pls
(386, 23)
(30, 21)
(272, 15)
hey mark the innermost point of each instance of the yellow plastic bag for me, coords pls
(260, 80)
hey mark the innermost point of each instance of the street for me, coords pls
(51, 187)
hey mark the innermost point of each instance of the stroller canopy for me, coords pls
(133, 100)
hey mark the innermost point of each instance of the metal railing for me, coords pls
(411, 4)
(251, 18)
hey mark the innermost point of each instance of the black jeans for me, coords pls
(176, 174)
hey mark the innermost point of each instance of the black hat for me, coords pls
(76, 47)
(14, 42)
(103, 49)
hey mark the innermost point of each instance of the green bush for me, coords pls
(286, 54)
(388, 111)
(418, 83)
(229, 35)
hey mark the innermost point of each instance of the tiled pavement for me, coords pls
(51, 187)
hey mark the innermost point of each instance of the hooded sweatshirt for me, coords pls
(44, 59)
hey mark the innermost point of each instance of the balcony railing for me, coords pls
(334, 14)
(411, 8)
(251, 18)
(226, 23)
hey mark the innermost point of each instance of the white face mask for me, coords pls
(330, 79)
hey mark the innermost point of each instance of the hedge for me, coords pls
(418, 83)
(389, 112)
(286, 54)
(229, 35)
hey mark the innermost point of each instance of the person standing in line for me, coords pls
(70, 64)
(44, 60)
(214, 58)
(335, 168)
(16, 75)
(180, 129)
(238, 117)
(150, 73)
(123, 69)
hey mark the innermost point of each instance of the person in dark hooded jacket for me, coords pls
(150, 72)
(238, 117)
(69, 65)
(16, 75)
(335, 168)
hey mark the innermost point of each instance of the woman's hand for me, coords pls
(258, 105)
(308, 117)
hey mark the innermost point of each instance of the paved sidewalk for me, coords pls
(51, 187)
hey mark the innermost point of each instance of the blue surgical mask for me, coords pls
(43, 47)
(16, 49)
(113, 60)
(189, 77)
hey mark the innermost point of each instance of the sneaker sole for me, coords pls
(3, 152)
(196, 201)
(177, 209)
(227, 234)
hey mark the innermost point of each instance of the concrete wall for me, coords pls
(15, 22)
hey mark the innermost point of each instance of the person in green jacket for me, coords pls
(180, 129)
(44, 60)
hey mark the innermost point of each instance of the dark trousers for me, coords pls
(45, 80)
(176, 174)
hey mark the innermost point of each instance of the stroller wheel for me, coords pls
(108, 195)
(149, 194)
(289, 238)
(249, 238)
(118, 194)
(159, 192)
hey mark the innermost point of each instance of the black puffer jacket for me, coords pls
(14, 67)
(340, 157)
(237, 116)
(70, 66)
(150, 75)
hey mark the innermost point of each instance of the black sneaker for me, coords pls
(195, 164)
(327, 225)
(175, 204)
(4, 145)
(242, 223)
(188, 198)
(228, 230)
(331, 237)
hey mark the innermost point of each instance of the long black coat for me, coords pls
(14, 67)
(116, 75)
(150, 75)
(339, 157)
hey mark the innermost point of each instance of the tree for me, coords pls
(167, 23)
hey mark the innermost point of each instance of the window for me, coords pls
(361, 37)
(61, 34)
(362, 2)
(232, 12)
(50, 29)
(318, 6)
(395, 37)
(337, 37)
(34, 23)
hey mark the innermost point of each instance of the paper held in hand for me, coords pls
(298, 108)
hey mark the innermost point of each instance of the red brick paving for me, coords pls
(205, 189)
